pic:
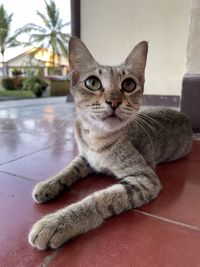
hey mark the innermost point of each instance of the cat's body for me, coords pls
(159, 137)
(113, 138)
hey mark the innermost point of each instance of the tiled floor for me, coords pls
(36, 140)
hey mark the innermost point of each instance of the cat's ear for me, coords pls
(80, 58)
(136, 60)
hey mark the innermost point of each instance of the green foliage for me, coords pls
(16, 93)
(16, 72)
(35, 84)
(50, 34)
(12, 83)
(5, 23)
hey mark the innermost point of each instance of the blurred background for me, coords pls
(110, 29)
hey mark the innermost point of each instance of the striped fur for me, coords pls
(127, 146)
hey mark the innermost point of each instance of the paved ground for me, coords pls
(33, 102)
(36, 141)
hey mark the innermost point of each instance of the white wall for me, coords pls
(193, 46)
(110, 29)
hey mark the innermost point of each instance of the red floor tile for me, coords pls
(39, 166)
(17, 215)
(19, 137)
(131, 240)
(19, 212)
(140, 240)
(195, 152)
(179, 199)
(17, 144)
(181, 181)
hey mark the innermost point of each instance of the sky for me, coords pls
(24, 11)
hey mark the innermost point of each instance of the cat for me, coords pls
(113, 138)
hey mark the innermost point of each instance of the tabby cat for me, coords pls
(113, 138)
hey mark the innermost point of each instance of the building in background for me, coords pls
(37, 60)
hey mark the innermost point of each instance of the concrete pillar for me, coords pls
(193, 45)
(190, 98)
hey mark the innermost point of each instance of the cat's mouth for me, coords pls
(112, 116)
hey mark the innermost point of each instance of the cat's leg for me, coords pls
(50, 188)
(132, 191)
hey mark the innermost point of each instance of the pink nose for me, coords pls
(114, 103)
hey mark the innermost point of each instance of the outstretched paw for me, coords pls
(51, 231)
(46, 191)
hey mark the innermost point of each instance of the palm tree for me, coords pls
(50, 34)
(6, 40)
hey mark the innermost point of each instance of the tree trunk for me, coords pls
(54, 58)
(3, 64)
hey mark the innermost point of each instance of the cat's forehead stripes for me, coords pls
(111, 77)
(113, 72)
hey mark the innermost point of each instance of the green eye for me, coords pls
(93, 83)
(129, 85)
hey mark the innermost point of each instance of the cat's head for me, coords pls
(108, 97)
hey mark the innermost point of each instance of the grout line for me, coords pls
(50, 258)
(18, 176)
(168, 220)
(37, 151)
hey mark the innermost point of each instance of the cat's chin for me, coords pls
(112, 118)
(110, 124)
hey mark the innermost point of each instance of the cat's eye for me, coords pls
(129, 85)
(93, 83)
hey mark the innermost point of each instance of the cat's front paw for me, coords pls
(51, 231)
(46, 191)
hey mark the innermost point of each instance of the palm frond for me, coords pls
(5, 22)
(37, 38)
(64, 25)
(53, 12)
(13, 42)
(63, 48)
(5, 19)
(49, 35)
(44, 19)
(64, 37)
(29, 28)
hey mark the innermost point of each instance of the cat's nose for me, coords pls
(114, 103)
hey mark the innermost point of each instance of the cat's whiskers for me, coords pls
(151, 142)
(69, 115)
(147, 123)
(145, 116)
(62, 123)
(158, 115)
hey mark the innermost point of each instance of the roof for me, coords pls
(42, 55)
